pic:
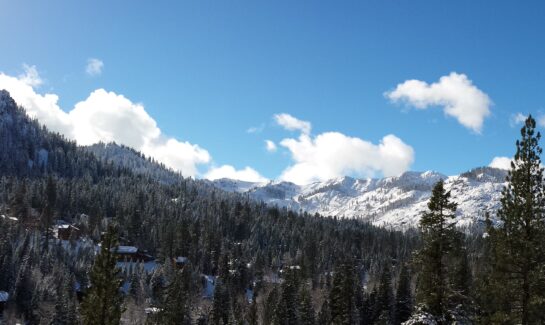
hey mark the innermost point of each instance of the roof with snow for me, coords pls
(9, 218)
(4, 296)
(181, 259)
(126, 250)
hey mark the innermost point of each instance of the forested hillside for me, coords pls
(218, 234)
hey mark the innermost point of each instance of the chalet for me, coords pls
(132, 253)
(4, 296)
(66, 232)
(180, 261)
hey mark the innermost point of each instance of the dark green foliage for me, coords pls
(221, 308)
(176, 302)
(342, 295)
(269, 306)
(286, 312)
(49, 209)
(65, 305)
(103, 301)
(439, 241)
(306, 309)
(384, 308)
(324, 316)
(516, 245)
(403, 307)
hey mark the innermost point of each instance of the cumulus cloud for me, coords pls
(517, 119)
(291, 123)
(247, 174)
(455, 93)
(94, 67)
(31, 76)
(105, 116)
(333, 154)
(270, 146)
(501, 163)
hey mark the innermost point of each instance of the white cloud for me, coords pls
(333, 154)
(31, 76)
(517, 119)
(94, 67)
(501, 163)
(291, 123)
(256, 129)
(247, 174)
(541, 120)
(270, 146)
(105, 116)
(455, 93)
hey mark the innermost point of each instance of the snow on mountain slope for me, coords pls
(392, 202)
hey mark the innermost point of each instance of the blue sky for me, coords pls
(206, 72)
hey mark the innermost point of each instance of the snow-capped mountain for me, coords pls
(393, 201)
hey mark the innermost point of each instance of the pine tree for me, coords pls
(65, 305)
(176, 303)
(306, 310)
(221, 306)
(49, 209)
(253, 315)
(518, 253)
(286, 309)
(270, 305)
(19, 205)
(324, 316)
(403, 296)
(342, 295)
(385, 300)
(438, 235)
(103, 302)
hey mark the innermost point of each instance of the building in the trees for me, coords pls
(66, 231)
(132, 253)
(180, 261)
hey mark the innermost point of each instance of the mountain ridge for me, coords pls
(392, 201)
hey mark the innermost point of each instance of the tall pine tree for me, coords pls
(439, 236)
(103, 302)
(403, 296)
(518, 253)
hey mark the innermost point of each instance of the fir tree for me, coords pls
(518, 253)
(403, 296)
(270, 305)
(324, 316)
(438, 235)
(221, 306)
(385, 300)
(342, 295)
(176, 302)
(65, 305)
(286, 309)
(49, 209)
(306, 310)
(103, 302)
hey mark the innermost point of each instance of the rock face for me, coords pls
(391, 202)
